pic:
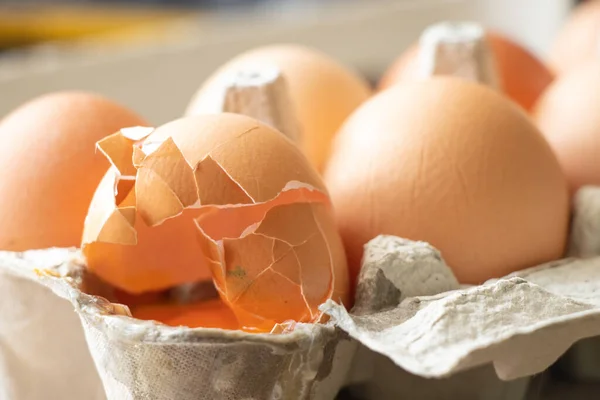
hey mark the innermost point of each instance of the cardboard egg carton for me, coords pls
(412, 320)
(142, 359)
(497, 334)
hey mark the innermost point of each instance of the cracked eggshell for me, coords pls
(323, 91)
(49, 169)
(257, 158)
(522, 76)
(221, 196)
(568, 117)
(138, 258)
(454, 164)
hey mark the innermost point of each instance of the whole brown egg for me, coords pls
(323, 92)
(521, 76)
(578, 42)
(457, 165)
(567, 114)
(49, 168)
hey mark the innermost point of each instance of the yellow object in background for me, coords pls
(34, 23)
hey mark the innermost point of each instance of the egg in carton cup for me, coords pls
(519, 324)
(138, 359)
(468, 50)
(511, 327)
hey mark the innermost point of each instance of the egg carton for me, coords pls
(414, 332)
(581, 363)
(498, 334)
(46, 356)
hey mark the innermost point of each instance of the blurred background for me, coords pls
(152, 54)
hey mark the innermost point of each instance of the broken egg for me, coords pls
(567, 114)
(49, 169)
(221, 196)
(454, 164)
(466, 50)
(323, 92)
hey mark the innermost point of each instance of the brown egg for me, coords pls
(567, 114)
(578, 42)
(323, 92)
(221, 196)
(521, 76)
(455, 164)
(49, 168)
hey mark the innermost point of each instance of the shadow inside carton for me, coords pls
(193, 305)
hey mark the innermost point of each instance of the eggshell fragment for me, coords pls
(454, 164)
(296, 251)
(133, 256)
(567, 114)
(260, 215)
(493, 59)
(322, 91)
(118, 148)
(578, 42)
(48, 167)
